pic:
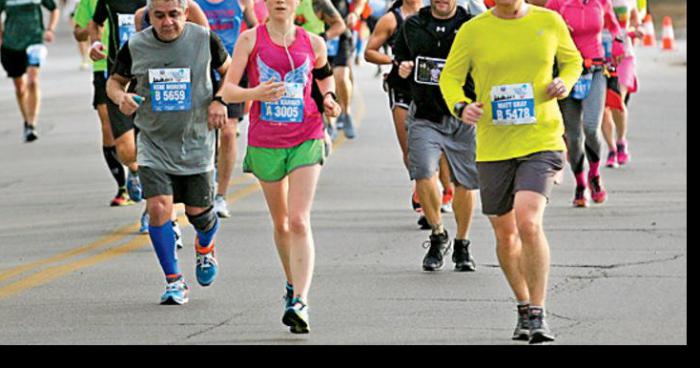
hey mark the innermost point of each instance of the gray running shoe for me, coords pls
(539, 330)
(522, 328)
(349, 127)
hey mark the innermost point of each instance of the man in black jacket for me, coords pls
(421, 49)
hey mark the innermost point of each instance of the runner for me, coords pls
(225, 18)
(321, 18)
(121, 27)
(69, 8)
(285, 138)
(22, 51)
(176, 116)
(615, 120)
(420, 49)
(83, 15)
(583, 108)
(519, 149)
(339, 55)
(397, 88)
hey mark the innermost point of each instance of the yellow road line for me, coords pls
(52, 273)
(115, 236)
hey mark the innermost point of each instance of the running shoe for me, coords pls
(288, 296)
(121, 199)
(598, 193)
(30, 134)
(296, 317)
(332, 131)
(133, 186)
(220, 206)
(611, 162)
(539, 330)
(145, 218)
(580, 197)
(340, 121)
(415, 202)
(207, 267)
(176, 293)
(178, 235)
(446, 206)
(437, 246)
(522, 327)
(349, 127)
(461, 257)
(623, 156)
(423, 223)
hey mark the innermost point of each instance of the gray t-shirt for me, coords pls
(174, 78)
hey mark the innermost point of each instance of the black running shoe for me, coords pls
(438, 246)
(539, 330)
(423, 223)
(461, 257)
(30, 133)
(522, 328)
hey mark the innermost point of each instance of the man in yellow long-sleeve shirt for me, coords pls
(519, 135)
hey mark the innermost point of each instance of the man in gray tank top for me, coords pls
(171, 63)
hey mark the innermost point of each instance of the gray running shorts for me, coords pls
(192, 190)
(500, 180)
(427, 140)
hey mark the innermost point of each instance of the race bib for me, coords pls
(582, 87)
(333, 46)
(171, 89)
(513, 104)
(127, 27)
(288, 109)
(427, 70)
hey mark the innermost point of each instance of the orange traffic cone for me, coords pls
(668, 41)
(649, 36)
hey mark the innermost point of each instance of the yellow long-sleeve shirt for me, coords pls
(501, 52)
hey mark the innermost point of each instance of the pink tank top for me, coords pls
(586, 19)
(294, 119)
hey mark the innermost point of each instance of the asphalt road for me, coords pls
(74, 271)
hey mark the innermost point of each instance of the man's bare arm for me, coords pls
(325, 11)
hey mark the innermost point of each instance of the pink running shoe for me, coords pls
(612, 160)
(623, 157)
(598, 193)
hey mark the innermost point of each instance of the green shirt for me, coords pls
(83, 16)
(306, 18)
(24, 24)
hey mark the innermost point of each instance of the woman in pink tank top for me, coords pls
(285, 137)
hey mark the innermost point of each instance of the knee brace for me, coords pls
(205, 221)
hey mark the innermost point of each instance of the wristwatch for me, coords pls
(220, 100)
(459, 108)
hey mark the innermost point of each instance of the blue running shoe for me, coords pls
(207, 266)
(143, 229)
(348, 127)
(133, 186)
(176, 293)
(297, 317)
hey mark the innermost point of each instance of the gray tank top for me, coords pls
(174, 79)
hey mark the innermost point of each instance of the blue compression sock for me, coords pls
(163, 239)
